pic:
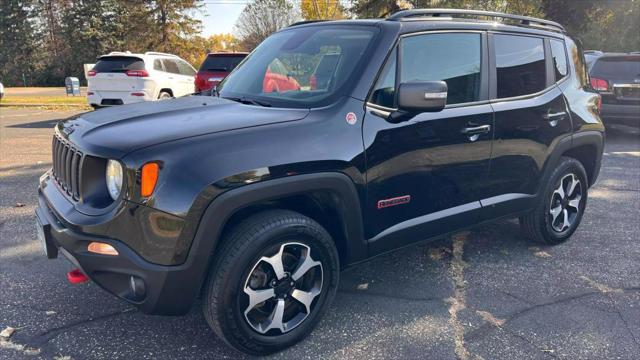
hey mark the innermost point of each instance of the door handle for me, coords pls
(476, 130)
(555, 115)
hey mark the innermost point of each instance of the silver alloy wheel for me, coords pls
(281, 289)
(164, 96)
(565, 203)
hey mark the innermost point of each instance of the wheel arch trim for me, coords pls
(223, 207)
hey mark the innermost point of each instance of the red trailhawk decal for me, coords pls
(394, 201)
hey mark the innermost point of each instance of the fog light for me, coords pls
(102, 249)
(137, 287)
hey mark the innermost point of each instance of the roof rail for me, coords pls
(524, 20)
(306, 22)
(159, 53)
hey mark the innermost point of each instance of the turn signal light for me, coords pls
(148, 178)
(102, 249)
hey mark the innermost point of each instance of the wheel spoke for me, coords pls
(257, 297)
(566, 224)
(276, 263)
(305, 298)
(307, 264)
(575, 203)
(275, 320)
(555, 212)
(572, 185)
(560, 191)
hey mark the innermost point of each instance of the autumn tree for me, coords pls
(322, 9)
(262, 18)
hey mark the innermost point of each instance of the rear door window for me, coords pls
(111, 64)
(452, 57)
(221, 63)
(559, 56)
(520, 65)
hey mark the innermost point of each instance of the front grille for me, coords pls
(67, 162)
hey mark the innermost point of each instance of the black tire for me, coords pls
(241, 253)
(539, 225)
(164, 95)
(95, 107)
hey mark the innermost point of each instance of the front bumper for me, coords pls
(153, 288)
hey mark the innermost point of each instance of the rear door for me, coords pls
(114, 74)
(531, 117)
(425, 176)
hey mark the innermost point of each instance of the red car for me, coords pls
(215, 68)
(278, 79)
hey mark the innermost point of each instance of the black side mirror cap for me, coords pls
(422, 96)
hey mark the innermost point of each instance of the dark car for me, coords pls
(254, 200)
(215, 68)
(617, 78)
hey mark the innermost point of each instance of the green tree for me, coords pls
(17, 43)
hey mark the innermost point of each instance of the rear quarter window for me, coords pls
(118, 64)
(559, 57)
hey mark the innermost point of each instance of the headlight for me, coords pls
(114, 178)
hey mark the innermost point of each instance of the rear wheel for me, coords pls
(164, 95)
(560, 207)
(271, 282)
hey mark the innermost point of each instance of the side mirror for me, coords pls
(422, 96)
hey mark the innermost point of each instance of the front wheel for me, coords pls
(561, 205)
(271, 282)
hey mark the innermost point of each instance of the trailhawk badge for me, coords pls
(351, 118)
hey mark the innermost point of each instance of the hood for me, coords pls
(119, 130)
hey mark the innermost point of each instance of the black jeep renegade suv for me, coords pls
(430, 121)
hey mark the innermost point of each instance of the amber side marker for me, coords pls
(148, 178)
(102, 249)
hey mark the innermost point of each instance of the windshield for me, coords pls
(301, 68)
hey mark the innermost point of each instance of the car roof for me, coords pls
(227, 53)
(434, 23)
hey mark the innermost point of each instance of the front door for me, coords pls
(426, 175)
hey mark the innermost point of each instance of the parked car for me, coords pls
(124, 78)
(617, 78)
(278, 78)
(591, 55)
(215, 68)
(1, 91)
(254, 200)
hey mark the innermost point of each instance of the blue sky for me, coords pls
(220, 16)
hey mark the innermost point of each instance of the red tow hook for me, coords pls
(76, 276)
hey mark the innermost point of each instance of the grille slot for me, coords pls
(67, 162)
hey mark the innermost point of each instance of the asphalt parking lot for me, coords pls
(482, 294)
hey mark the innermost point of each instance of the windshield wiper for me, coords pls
(244, 100)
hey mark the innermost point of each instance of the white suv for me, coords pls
(123, 78)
